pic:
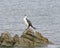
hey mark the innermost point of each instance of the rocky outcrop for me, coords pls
(35, 38)
(6, 39)
(28, 38)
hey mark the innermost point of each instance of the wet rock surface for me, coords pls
(28, 38)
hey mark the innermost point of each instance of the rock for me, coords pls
(16, 40)
(7, 40)
(1, 38)
(25, 42)
(28, 38)
(35, 37)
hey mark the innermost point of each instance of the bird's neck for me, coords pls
(24, 18)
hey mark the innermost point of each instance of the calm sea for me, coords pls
(44, 15)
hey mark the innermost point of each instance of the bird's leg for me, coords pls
(28, 27)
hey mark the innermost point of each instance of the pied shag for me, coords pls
(28, 22)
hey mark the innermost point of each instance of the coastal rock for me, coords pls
(35, 37)
(28, 38)
(16, 40)
(7, 40)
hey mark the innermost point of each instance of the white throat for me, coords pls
(25, 21)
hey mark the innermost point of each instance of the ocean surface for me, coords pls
(44, 15)
(49, 46)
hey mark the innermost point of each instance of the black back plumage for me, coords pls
(30, 24)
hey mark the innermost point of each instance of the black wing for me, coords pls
(29, 21)
(30, 24)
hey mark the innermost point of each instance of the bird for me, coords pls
(28, 22)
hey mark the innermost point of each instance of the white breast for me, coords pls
(25, 21)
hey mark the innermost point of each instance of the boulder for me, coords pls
(36, 38)
(16, 40)
(7, 39)
(28, 38)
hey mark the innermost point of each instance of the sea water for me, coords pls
(49, 46)
(44, 15)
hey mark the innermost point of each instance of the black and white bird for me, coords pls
(28, 22)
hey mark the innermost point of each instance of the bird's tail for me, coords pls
(33, 27)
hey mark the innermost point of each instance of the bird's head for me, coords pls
(26, 16)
